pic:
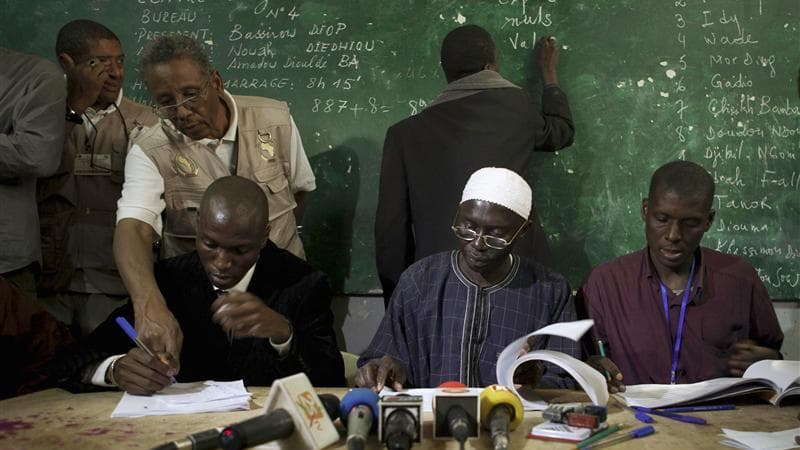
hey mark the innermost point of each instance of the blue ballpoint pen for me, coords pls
(131, 332)
(678, 409)
(637, 433)
(673, 416)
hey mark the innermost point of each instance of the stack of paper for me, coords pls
(779, 440)
(186, 398)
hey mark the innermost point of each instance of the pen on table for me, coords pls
(646, 430)
(642, 416)
(131, 332)
(600, 435)
(602, 349)
(673, 416)
(678, 409)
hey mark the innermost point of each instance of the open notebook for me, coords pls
(592, 381)
(774, 379)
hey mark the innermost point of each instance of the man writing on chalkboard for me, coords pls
(79, 280)
(205, 133)
(479, 120)
(676, 312)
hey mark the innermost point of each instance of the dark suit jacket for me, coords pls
(427, 159)
(284, 282)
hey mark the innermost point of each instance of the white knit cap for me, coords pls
(499, 186)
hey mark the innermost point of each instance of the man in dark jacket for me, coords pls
(479, 120)
(247, 309)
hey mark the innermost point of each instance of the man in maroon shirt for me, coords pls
(676, 312)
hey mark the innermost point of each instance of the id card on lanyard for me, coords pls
(676, 350)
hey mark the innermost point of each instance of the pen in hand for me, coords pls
(602, 350)
(131, 332)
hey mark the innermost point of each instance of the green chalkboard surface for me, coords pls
(713, 81)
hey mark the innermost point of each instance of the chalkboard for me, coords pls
(713, 81)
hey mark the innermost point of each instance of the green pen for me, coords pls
(602, 349)
(608, 431)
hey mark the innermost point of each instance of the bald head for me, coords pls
(235, 197)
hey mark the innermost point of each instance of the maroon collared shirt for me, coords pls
(727, 303)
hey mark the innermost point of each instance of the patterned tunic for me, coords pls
(442, 327)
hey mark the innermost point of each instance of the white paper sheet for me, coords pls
(186, 398)
(779, 440)
(592, 381)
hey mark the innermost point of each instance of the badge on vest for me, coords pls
(267, 145)
(88, 164)
(184, 165)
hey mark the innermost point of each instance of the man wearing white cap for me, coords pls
(453, 312)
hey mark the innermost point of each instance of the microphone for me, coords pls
(455, 413)
(359, 411)
(295, 416)
(277, 424)
(401, 421)
(501, 411)
(204, 440)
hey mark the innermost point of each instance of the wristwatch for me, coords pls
(74, 117)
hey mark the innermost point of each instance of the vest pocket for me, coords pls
(180, 223)
(276, 186)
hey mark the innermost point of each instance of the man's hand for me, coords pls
(160, 332)
(245, 315)
(746, 352)
(605, 365)
(376, 373)
(138, 373)
(547, 59)
(84, 82)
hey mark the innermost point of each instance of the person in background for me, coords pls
(676, 312)
(479, 120)
(32, 99)
(249, 310)
(454, 312)
(80, 284)
(205, 133)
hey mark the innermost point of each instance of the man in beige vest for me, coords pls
(80, 284)
(205, 134)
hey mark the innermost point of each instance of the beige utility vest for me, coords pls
(261, 154)
(77, 205)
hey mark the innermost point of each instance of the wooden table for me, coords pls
(57, 420)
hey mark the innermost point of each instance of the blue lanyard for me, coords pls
(677, 347)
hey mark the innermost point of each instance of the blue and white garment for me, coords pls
(442, 327)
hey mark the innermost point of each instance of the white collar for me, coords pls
(241, 286)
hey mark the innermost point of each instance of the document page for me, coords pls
(186, 398)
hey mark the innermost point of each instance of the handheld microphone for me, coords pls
(277, 424)
(359, 411)
(296, 417)
(501, 412)
(455, 413)
(401, 421)
(204, 440)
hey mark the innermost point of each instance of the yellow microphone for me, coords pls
(501, 412)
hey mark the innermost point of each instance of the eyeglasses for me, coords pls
(191, 102)
(498, 243)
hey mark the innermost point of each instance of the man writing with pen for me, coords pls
(676, 312)
(248, 309)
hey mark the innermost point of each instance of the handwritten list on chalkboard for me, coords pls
(713, 81)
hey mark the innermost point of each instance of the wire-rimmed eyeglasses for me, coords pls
(191, 102)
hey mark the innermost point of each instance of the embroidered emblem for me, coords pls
(267, 145)
(185, 165)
